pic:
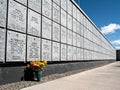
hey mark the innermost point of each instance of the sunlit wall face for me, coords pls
(56, 30)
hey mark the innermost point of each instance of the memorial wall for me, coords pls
(57, 30)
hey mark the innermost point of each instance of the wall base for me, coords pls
(16, 73)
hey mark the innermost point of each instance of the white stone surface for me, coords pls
(63, 52)
(78, 40)
(57, 2)
(23, 1)
(55, 51)
(47, 8)
(79, 28)
(3, 9)
(63, 34)
(2, 44)
(16, 46)
(74, 12)
(46, 28)
(46, 49)
(34, 23)
(69, 7)
(35, 5)
(74, 39)
(74, 25)
(69, 53)
(69, 37)
(56, 32)
(69, 22)
(78, 53)
(16, 16)
(33, 48)
(63, 18)
(74, 53)
(64, 4)
(56, 13)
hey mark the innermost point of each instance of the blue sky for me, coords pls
(106, 16)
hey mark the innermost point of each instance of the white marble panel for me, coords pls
(69, 22)
(77, 14)
(33, 48)
(85, 54)
(63, 34)
(63, 52)
(56, 32)
(34, 23)
(35, 5)
(16, 16)
(74, 25)
(81, 54)
(63, 4)
(63, 18)
(56, 13)
(74, 39)
(23, 1)
(57, 2)
(81, 17)
(81, 42)
(78, 40)
(46, 28)
(78, 53)
(46, 49)
(55, 51)
(69, 37)
(74, 11)
(3, 9)
(47, 8)
(16, 46)
(81, 31)
(74, 53)
(69, 53)
(78, 28)
(2, 45)
(69, 7)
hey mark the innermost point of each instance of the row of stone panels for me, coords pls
(26, 30)
(17, 46)
(19, 12)
(17, 15)
(35, 29)
(17, 21)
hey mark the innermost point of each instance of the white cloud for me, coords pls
(111, 28)
(117, 47)
(116, 42)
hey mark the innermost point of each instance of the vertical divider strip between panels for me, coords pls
(60, 34)
(72, 30)
(66, 33)
(26, 31)
(51, 29)
(41, 33)
(6, 32)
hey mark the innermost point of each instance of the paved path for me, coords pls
(103, 78)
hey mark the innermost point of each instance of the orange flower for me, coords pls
(37, 65)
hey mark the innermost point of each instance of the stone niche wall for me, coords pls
(56, 30)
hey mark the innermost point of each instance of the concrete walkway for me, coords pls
(103, 78)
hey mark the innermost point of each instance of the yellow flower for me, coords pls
(28, 66)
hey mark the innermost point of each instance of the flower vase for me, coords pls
(38, 75)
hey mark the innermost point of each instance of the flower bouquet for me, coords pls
(37, 67)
